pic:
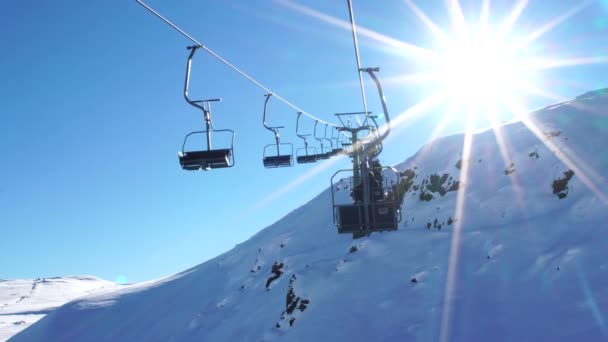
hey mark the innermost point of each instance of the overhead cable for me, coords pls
(251, 79)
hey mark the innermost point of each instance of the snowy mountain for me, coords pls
(23, 302)
(505, 243)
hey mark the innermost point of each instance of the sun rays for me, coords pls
(480, 68)
(450, 287)
(504, 99)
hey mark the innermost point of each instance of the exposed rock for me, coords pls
(560, 185)
(534, 155)
(552, 134)
(276, 273)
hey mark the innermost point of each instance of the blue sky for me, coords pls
(93, 116)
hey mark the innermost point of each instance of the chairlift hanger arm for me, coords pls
(303, 136)
(264, 117)
(274, 129)
(204, 105)
(331, 144)
(371, 72)
(187, 81)
(320, 140)
(298, 126)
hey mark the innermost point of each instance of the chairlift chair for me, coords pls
(373, 204)
(207, 158)
(304, 155)
(270, 158)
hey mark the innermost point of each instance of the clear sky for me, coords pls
(93, 114)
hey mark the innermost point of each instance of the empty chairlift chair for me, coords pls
(277, 154)
(304, 155)
(206, 158)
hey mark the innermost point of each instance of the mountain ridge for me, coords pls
(519, 256)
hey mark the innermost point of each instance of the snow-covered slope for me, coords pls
(23, 302)
(524, 260)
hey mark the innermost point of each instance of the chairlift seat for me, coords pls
(211, 159)
(311, 158)
(278, 161)
(323, 156)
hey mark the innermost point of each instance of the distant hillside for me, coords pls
(23, 302)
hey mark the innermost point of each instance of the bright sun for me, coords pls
(482, 74)
(478, 68)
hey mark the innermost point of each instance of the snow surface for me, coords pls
(522, 261)
(23, 302)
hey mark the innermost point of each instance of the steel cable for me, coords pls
(251, 79)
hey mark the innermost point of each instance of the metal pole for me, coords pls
(278, 140)
(208, 125)
(366, 192)
(354, 31)
(356, 173)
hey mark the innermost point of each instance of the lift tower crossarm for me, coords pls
(339, 115)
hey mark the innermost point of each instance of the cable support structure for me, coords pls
(356, 44)
(230, 65)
